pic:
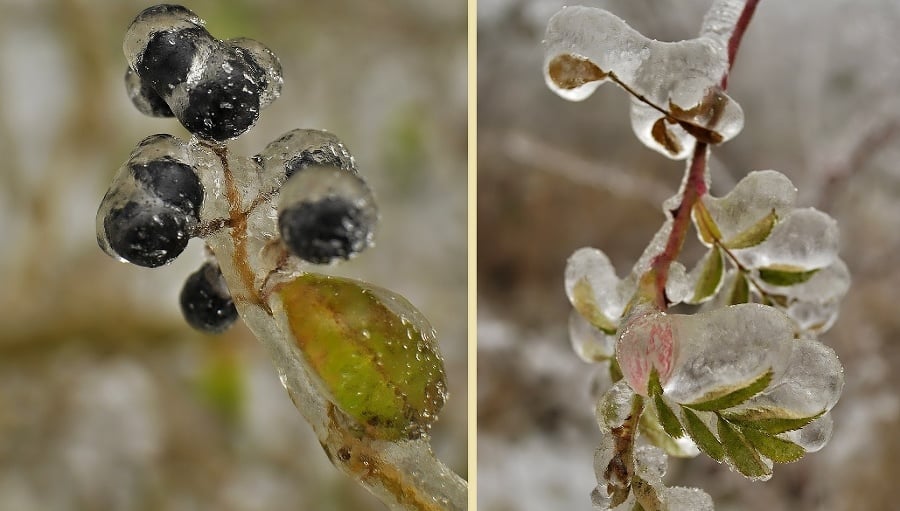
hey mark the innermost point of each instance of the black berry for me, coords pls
(225, 102)
(146, 235)
(174, 182)
(168, 57)
(205, 301)
(144, 98)
(324, 230)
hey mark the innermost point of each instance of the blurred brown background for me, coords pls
(108, 401)
(817, 80)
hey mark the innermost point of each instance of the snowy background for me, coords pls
(817, 80)
(108, 400)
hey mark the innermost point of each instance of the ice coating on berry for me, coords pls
(144, 98)
(205, 301)
(158, 19)
(152, 206)
(302, 148)
(586, 46)
(326, 213)
(267, 62)
(146, 236)
(175, 182)
(225, 100)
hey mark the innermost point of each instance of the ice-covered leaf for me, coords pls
(772, 447)
(781, 277)
(706, 226)
(706, 441)
(741, 454)
(740, 290)
(709, 280)
(805, 239)
(676, 99)
(755, 234)
(614, 406)
(371, 350)
(652, 430)
(812, 382)
(768, 420)
(670, 423)
(814, 435)
(722, 398)
(589, 342)
(594, 289)
(748, 208)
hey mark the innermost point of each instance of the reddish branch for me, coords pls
(695, 187)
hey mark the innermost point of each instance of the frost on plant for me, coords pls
(743, 378)
(359, 361)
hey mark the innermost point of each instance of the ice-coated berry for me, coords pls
(205, 301)
(174, 182)
(225, 101)
(146, 235)
(169, 55)
(325, 230)
(311, 158)
(144, 98)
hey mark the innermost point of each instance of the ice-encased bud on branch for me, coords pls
(676, 97)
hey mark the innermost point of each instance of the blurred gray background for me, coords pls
(108, 400)
(818, 82)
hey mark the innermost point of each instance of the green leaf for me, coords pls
(769, 421)
(371, 350)
(654, 388)
(583, 298)
(667, 418)
(742, 455)
(706, 226)
(755, 234)
(724, 398)
(740, 292)
(652, 430)
(772, 447)
(785, 277)
(702, 436)
(710, 276)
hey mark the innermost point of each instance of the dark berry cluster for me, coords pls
(170, 190)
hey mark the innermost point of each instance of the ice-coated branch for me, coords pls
(404, 473)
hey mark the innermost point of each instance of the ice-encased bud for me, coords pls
(754, 197)
(302, 148)
(594, 289)
(144, 98)
(326, 213)
(614, 406)
(586, 46)
(266, 60)
(705, 353)
(153, 204)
